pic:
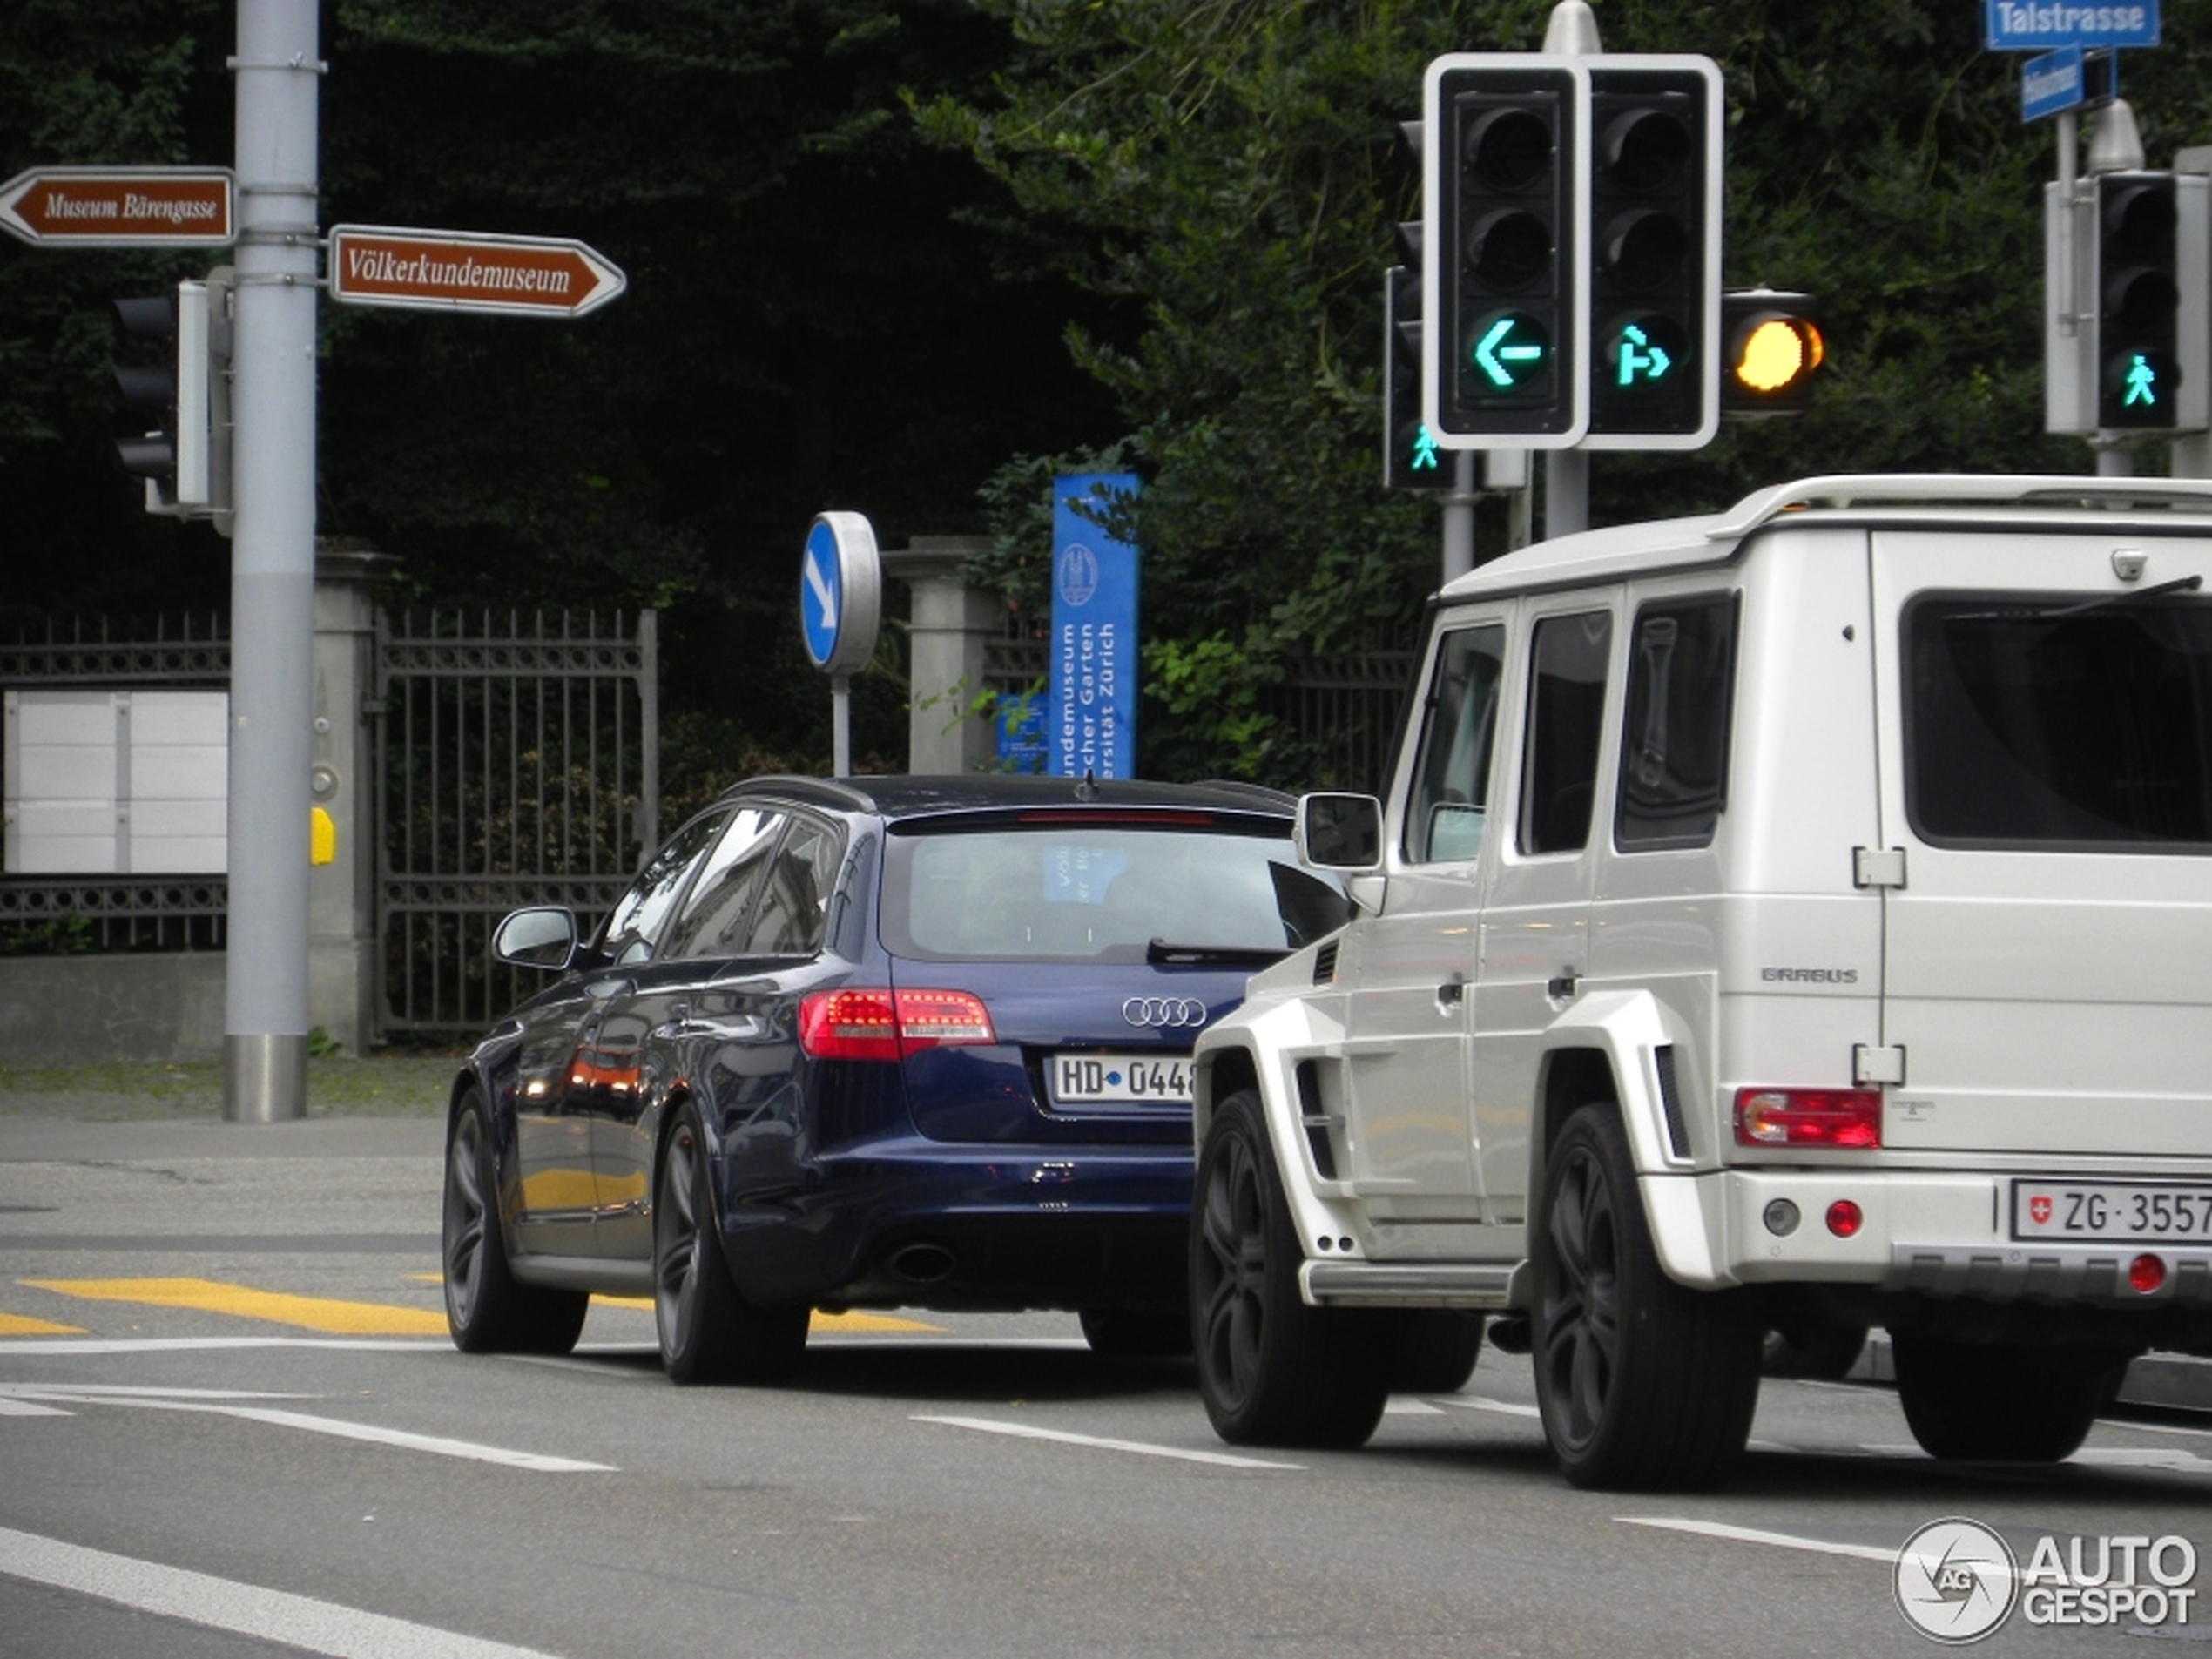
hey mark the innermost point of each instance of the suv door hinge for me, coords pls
(1877, 867)
(1871, 1063)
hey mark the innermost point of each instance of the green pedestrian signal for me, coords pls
(2142, 384)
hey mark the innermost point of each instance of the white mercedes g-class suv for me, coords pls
(1795, 919)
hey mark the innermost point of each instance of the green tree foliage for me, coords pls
(1170, 257)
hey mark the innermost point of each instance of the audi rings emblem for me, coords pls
(1162, 1012)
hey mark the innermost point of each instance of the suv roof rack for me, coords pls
(1914, 489)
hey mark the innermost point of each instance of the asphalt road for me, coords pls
(229, 1425)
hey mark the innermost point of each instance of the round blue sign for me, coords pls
(840, 593)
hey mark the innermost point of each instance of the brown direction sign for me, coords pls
(524, 276)
(120, 206)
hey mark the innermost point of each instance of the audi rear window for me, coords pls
(2060, 721)
(1039, 891)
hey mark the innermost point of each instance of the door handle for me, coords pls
(1561, 987)
(1451, 994)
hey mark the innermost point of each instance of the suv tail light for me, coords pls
(1848, 1118)
(857, 1024)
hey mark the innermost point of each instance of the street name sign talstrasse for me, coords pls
(525, 276)
(120, 206)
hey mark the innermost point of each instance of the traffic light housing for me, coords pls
(184, 398)
(2127, 338)
(2135, 299)
(1505, 204)
(1411, 459)
(1772, 350)
(1655, 163)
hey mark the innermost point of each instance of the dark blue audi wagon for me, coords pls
(868, 1042)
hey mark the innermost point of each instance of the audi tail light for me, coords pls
(1830, 1118)
(883, 1024)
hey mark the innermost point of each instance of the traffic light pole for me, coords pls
(272, 560)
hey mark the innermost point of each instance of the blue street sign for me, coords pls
(2053, 81)
(1091, 727)
(840, 592)
(2039, 25)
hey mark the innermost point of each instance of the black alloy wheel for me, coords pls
(1272, 1370)
(708, 1332)
(488, 1310)
(1641, 1382)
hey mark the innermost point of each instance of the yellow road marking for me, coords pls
(820, 1323)
(17, 1325)
(314, 1312)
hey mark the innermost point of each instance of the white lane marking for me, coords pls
(1026, 1432)
(224, 1604)
(1753, 1536)
(19, 1407)
(216, 1403)
(1477, 1403)
(1412, 1408)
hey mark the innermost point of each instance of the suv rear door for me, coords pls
(2047, 734)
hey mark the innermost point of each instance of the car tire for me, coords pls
(1641, 1382)
(1434, 1351)
(708, 1332)
(2002, 1402)
(1813, 1353)
(1271, 1370)
(488, 1310)
(1138, 1333)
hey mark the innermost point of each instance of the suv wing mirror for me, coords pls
(1341, 832)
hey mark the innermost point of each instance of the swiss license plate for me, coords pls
(2129, 1212)
(1118, 1079)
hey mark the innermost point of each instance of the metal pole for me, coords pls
(273, 563)
(840, 726)
(1459, 516)
(1567, 492)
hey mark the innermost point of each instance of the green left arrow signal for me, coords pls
(1511, 350)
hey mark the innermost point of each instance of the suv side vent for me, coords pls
(1324, 964)
(1662, 1061)
(1317, 1120)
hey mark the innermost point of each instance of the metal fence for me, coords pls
(61, 915)
(1336, 716)
(521, 765)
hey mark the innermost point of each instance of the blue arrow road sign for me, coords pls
(840, 593)
(2039, 25)
(820, 594)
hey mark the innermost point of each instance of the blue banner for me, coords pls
(1092, 723)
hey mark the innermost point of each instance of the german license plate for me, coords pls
(2129, 1212)
(1118, 1079)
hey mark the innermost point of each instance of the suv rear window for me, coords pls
(2044, 720)
(1086, 892)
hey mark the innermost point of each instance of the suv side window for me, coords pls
(630, 926)
(1444, 817)
(1674, 746)
(1565, 714)
(714, 919)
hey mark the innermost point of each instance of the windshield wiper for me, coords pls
(2059, 613)
(1228, 955)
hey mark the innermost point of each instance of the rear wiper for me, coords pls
(2057, 613)
(1226, 955)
